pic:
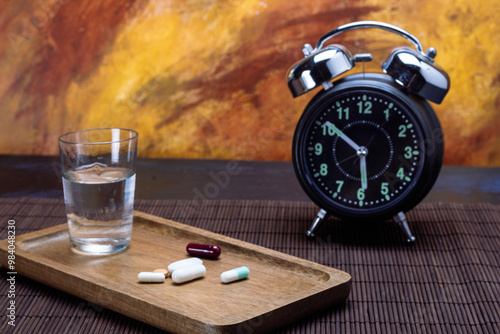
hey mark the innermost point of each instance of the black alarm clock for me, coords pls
(368, 146)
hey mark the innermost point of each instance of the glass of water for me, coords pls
(99, 185)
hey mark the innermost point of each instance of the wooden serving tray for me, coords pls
(280, 289)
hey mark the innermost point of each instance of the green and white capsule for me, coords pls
(234, 274)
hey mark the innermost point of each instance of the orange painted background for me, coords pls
(206, 78)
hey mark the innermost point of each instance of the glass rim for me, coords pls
(134, 136)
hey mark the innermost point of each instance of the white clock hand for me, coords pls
(362, 166)
(342, 136)
(360, 151)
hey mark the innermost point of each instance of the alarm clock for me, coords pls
(368, 146)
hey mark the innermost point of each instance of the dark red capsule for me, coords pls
(201, 250)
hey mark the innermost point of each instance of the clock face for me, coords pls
(360, 151)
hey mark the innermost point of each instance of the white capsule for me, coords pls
(183, 263)
(151, 277)
(186, 274)
(234, 274)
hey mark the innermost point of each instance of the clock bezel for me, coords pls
(427, 122)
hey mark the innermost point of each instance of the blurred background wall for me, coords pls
(206, 78)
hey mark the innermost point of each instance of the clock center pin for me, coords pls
(362, 151)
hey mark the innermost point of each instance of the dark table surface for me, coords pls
(40, 176)
(446, 282)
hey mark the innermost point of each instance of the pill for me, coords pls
(163, 271)
(208, 251)
(234, 274)
(151, 277)
(190, 273)
(183, 263)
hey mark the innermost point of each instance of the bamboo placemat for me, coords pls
(447, 282)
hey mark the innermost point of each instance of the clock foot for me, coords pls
(322, 214)
(400, 219)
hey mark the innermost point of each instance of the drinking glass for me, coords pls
(98, 168)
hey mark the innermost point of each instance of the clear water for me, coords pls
(99, 206)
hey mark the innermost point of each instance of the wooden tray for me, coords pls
(280, 289)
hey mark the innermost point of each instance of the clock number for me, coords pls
(361, 194)
(386, 111)
(401, 173)
(367, 107)
(323, 169)
(340, 183)
(409, 152)
(318, 148)
(344, 112)
(328, 129)
(384, 188)
(402, 131)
